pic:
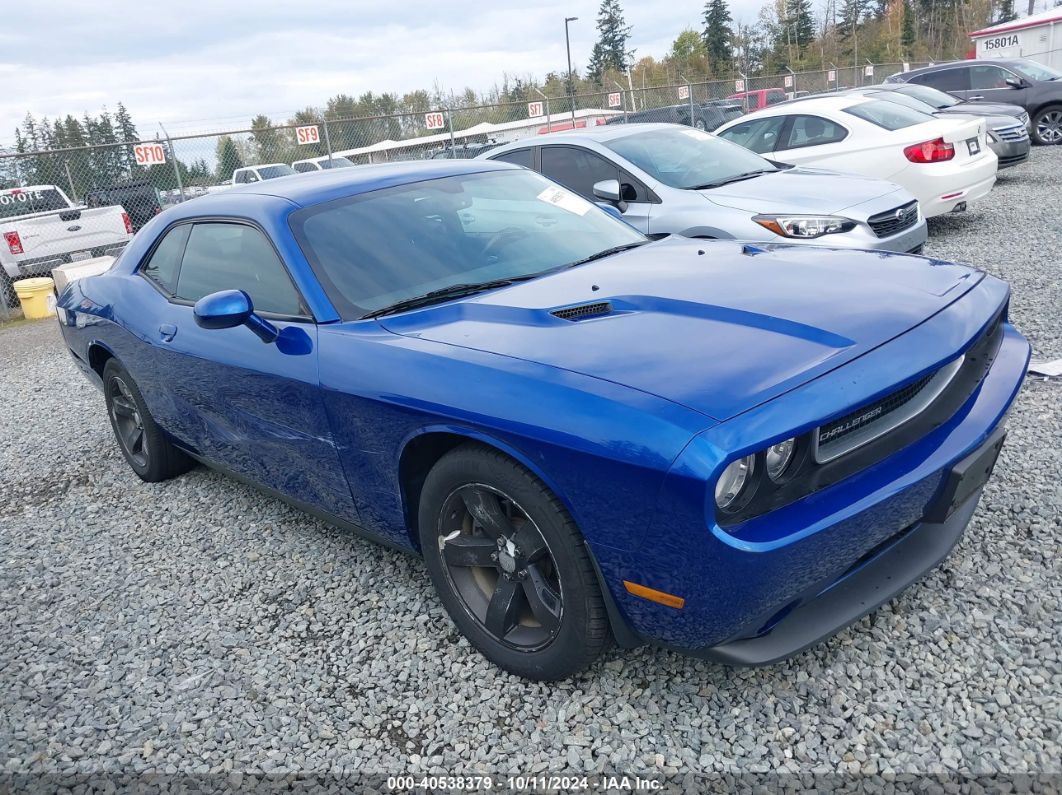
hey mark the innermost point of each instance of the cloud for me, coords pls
(203, 66)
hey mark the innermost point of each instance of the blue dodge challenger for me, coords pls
(726, 449)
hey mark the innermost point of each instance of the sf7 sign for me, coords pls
(434, 120)
(534, 110)
(307, 135)
(149, 154)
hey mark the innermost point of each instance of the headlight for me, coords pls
(733, 481)
(804, 226)
(778, 458)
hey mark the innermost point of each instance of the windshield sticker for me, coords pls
(566, 200)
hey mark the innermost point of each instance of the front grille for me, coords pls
(1014, 134)
(895, 220)
(1024, 119)
(868, 422)
(583, 311)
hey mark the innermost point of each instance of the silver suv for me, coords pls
(669, 179)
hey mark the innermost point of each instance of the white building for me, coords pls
(1037, 37)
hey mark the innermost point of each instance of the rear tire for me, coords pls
(1047, 125)
(145, 447)
(510, 566)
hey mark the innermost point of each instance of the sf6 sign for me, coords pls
(307, 135)
(434, 121)
(149, 154)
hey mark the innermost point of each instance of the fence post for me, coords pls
(689, 89)
(70, 179)
(176, 165)
(328, 141)
(450, 124)
(549, 125)
(623, 97)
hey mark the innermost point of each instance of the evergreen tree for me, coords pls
(801, 23)
(610, 51)
(907, 31)
(228, 156)
(126, 133)
(717, 35)
(1006, 11)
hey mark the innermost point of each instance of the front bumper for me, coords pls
(1011, 153)
(743, 582)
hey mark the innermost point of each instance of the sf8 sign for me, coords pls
(434, 121)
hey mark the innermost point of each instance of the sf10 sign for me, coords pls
(434, 121)
(534, 110)
(614, 100)
(149, 154)
(307, 135)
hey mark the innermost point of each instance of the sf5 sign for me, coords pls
(307, 135)
(149, 154)
(434, 121)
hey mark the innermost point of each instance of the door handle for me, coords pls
(167, 331)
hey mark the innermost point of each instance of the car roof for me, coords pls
(969, 62)
(599, 134)
(322, 186)
(822, 102)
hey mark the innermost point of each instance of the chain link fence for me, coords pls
(67, 205)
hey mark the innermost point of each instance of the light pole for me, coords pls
(571, 83)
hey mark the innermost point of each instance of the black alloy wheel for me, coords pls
(510, 566)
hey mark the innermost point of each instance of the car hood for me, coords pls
(716, 326)
(985, 109)
(799, 190)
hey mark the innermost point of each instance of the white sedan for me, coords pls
(944, 162)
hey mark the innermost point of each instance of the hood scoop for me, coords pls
(583, 311)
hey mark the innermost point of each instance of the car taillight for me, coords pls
(14, 242)
(128, 223)
(930, 152)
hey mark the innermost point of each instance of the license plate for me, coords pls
(974, 146)
(967, 476)
(80, 255)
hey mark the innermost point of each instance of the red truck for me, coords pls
(760, 98)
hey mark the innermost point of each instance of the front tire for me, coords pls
(1047, 125)
(510, 567)
(145, 447)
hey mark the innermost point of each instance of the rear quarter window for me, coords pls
(887, 115)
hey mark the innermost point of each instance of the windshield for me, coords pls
(687, 158)
(1035, 71)
(271, 172)
(376, 249)
(18, 202)
(931, 96)
(890, 115)
(336, 162)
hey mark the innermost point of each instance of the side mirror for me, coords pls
(1015, 82)
(607, 189)
(229, 309)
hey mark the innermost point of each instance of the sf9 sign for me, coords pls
(149, 154)
(307, 135)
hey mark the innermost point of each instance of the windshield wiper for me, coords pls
(608, 252)
(734, 178)
(445, 294)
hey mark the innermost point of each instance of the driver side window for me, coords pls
(813, 131)
(577, 169)
(988, 76)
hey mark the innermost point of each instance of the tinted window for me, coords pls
(304, 167)
(988, 76)
(577, 169)
(379, 248)
(814, 131)
(889, 115)
(24, 202)
(272, 172)
(236, 257)
(957, 79)
(243, 177)
(759, 135)
(336, 162)
(521, 157)
(774, 97)
(161, 268)
(931, 96)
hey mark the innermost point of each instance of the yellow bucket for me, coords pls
(33, 295)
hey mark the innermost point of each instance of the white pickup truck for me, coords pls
(41, 228)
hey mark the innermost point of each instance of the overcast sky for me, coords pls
(196, 65)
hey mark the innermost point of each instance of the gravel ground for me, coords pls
(196, 627)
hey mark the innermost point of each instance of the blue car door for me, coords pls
(254, 408)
